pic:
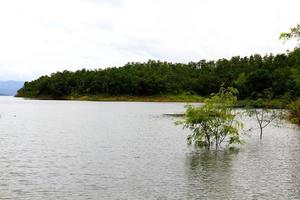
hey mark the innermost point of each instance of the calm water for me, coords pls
(107, 150)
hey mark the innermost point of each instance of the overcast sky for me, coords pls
(42, 36)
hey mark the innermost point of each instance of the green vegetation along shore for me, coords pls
(278, 76)
(187, 98)
(156, 98)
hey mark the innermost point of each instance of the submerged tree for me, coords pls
(263, 114)
(264, 117)
(215, 121)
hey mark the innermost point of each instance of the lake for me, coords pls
(129, 150)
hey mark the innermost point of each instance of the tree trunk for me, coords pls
(261, 132)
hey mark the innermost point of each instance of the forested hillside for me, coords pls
(252, 76)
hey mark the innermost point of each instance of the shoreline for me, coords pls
(272, 104)
(163, 98)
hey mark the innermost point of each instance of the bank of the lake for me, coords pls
(156, 98)
(184, 98)
(264, 103)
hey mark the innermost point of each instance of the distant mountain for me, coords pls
(10, 88)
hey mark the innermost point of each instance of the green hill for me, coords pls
(254, 76)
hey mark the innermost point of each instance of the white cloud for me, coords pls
(39, 37)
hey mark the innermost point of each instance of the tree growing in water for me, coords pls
(264, 117)
(215, 121)
(263, 113)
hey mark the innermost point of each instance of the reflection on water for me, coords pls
(214, 167)
(204, 159)
(118, 150)
(267, 169)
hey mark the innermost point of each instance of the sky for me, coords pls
(38, 37)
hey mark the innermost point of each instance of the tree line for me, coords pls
(279, 75)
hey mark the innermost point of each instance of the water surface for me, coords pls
(125, 150)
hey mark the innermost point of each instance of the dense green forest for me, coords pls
(279, 75)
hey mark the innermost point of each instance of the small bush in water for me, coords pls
(215, 121)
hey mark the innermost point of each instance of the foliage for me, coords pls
(160, 98)
(294, 112)
(258, 81)
(279, 103)
(251, 75)
(294, 33)
(215, 121)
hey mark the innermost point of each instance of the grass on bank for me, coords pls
(160, 98)
(156, 98)
(261, 103)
